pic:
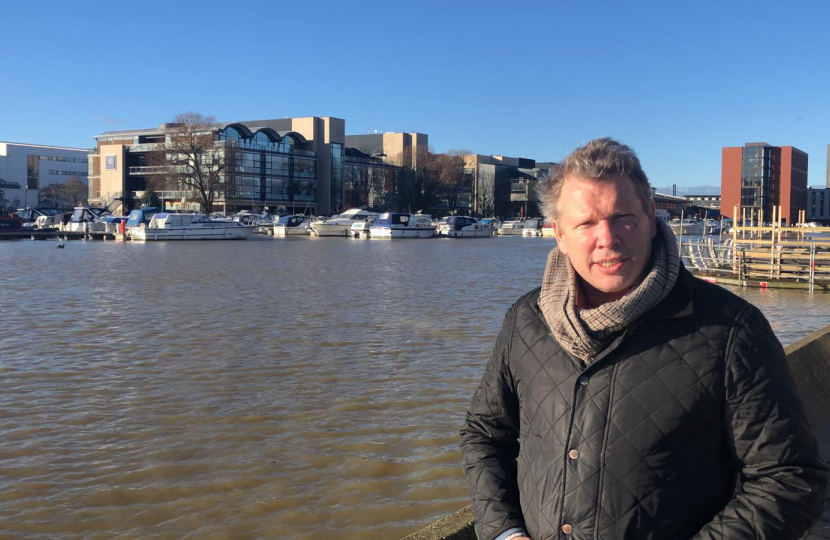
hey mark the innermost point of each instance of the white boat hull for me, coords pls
(511, 231)
(280, 230)
(484, 232)
(331, 229)
(402, 232)
(184, 233)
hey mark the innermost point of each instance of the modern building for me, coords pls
(505, 186)
(392, 147)
(759, 176)
(818, 205)
(368, 180)
(373, 163)
(668, 207)
(25, 169)
(292, 163)
(704, 201)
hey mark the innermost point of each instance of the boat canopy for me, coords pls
(388, 218)
(291, 220)
(141, 215)
(83, 214)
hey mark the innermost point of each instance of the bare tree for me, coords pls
(418, 184)
(192, 160)
(485, 193)
(65, 196)
(358, 182)
(453, 177)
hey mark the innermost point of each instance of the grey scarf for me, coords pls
(585, 332)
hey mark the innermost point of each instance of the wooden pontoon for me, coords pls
(772, 255)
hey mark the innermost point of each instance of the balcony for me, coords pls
(146, 170)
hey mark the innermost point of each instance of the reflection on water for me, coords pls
(301, 388)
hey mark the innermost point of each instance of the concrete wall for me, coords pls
(111, 181)
(809, 360)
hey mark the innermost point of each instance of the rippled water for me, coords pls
(301, 388)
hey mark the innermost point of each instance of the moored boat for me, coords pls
(340, 224)
(291, 225)
(465, 227)
(164, 226)
(533, 227)
(394, 225)
(687, 226)
(512, 228)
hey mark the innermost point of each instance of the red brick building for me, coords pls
(759, 176)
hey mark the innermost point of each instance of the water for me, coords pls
(300, 388)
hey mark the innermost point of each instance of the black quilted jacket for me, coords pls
(687, 426)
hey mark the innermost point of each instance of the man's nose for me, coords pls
(606, 234)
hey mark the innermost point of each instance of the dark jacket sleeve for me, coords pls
(783, 475)
(489, 443)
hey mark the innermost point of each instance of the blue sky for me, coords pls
(676, 80)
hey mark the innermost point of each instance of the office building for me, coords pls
(759, 176)
(294, 164)
(505, 186)
(818, 205)
(25, 169)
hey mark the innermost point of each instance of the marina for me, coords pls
(171, 406)
(765, 255)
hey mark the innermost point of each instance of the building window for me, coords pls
(336, 177)
(32, 172)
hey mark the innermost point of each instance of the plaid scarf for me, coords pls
(586, 332)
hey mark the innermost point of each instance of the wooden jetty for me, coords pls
(774, 255)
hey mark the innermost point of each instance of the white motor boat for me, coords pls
(164, 226)
(510, 228)
(465, 227)
(687, 226)
(361, 229)
(263, 221)
(340, 224)
(86, 220)
(291, 225)
(711, 226)
(393, 225)
(533, 227)
(40, 217)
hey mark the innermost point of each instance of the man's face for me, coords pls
(605, 232)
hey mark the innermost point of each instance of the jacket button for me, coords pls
(583, 380)
(567, 529)
(573, 454)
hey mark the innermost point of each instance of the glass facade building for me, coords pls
(268, 169)
(756, 177)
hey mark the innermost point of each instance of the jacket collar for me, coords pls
(679, 302)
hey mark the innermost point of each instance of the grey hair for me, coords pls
(599, 159)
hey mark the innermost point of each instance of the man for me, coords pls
(627, 399)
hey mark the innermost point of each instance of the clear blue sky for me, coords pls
(676, 80)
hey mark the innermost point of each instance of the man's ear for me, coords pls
(653, 220)
(560, 240)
